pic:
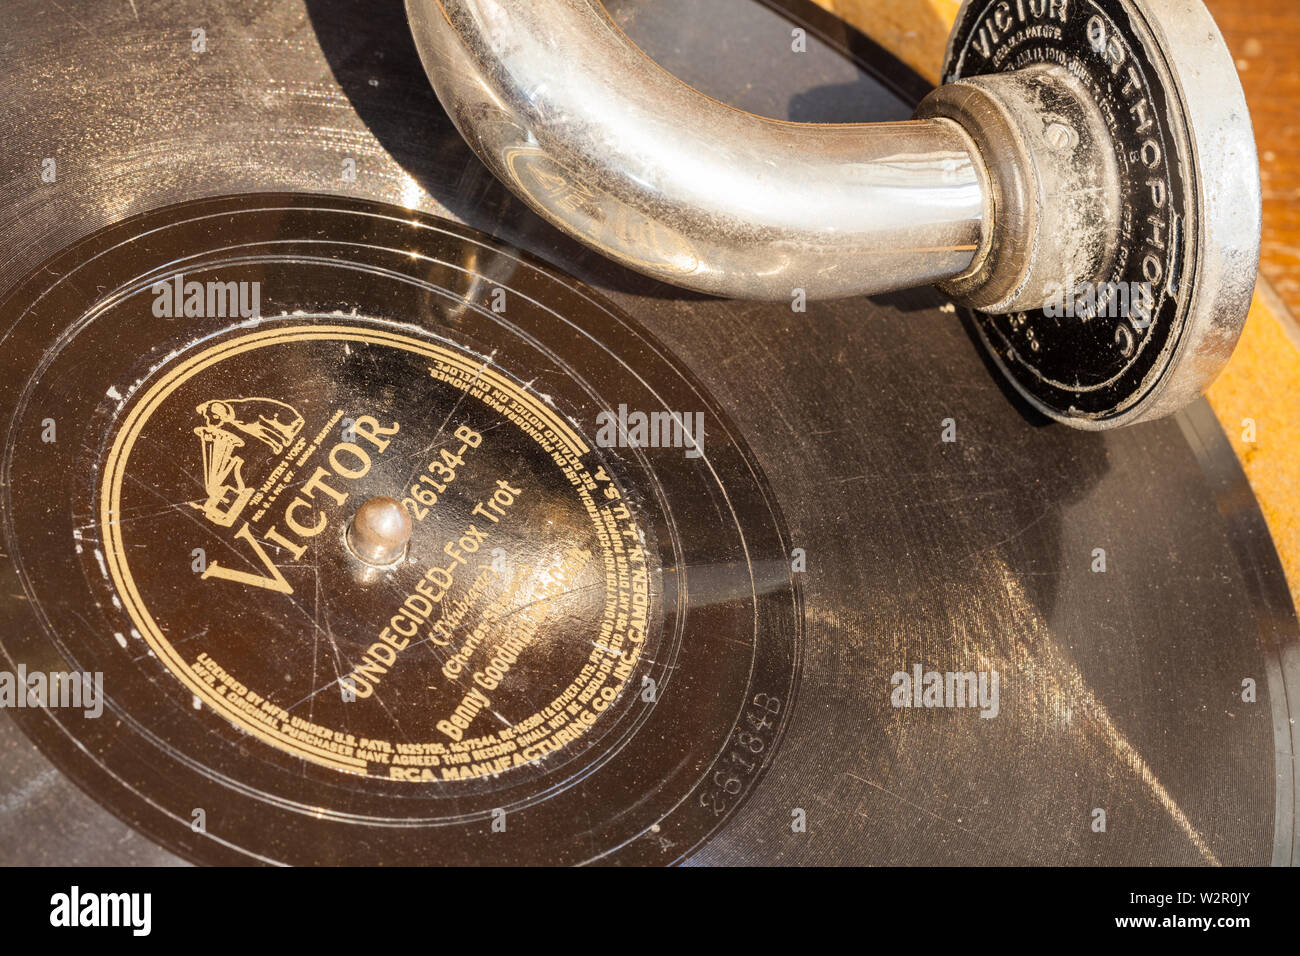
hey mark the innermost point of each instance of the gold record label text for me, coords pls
(500, 646)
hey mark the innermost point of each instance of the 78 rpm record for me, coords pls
(178, 489)
(530, 679)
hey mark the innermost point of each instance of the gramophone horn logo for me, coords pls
(227, 426)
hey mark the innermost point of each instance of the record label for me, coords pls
(535, 576)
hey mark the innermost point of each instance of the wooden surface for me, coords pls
(1264, 37)
(1262, 382)
(1263, 379)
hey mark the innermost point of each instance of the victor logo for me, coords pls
(227, 423)
(174, 298)
(1004, 18)
(307, 514)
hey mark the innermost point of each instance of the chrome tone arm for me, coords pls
(601, 141)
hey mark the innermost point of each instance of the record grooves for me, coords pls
(592, 648)
(536, 645)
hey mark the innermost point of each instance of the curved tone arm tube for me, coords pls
(606, 145)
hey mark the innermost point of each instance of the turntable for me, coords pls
(532, 433)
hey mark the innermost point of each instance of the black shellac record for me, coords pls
(588, 649)
(1119, 690)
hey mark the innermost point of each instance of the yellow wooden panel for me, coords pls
(1262, 384)
(915, 31)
